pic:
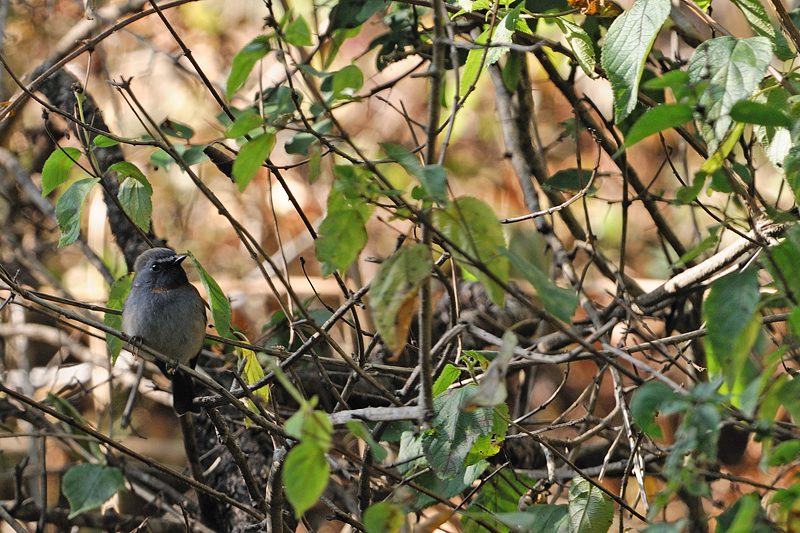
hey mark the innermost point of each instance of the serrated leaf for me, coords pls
(69, 208)
(393, 293)
(731, 70)
(135, 200)
(558, 301)
(472, 225)
(479, 59)
(751, 112)
(625, 47)
(454, 431)
(244, 61)
(217, 301)
(580, 43)
(590, 509)
(543, 517)
(251, 157)
(116, 298)
(88, 486)
(657, 119)
(448, 376)
(56, 168)
(298, 32)
(305, 476)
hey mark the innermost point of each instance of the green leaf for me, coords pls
(56, 168)
(343, 235)
(244, 124)
(383, 517)
(217, 301)
(657, 119)
(310, 426)
(454, 431)
(349, 14)
(245, 60)
(730, 315)
(116, 298)
(664, 527)
(674, 79)
(479, 59)
(590, 509)
(783, 265)
(251, 373)
(305, 476)
(751, 112)
(580, 43)
(393, 293)
(129, 170)
(492, 389)
(251, 157)
(499, 495)
(731, 69)
(347, 81)
(298, 33)
(570, 180)
(302, 141)
(101, 141)
(69, 208)
(745, 515)
(176, 129)
(448, 376)
(472, 225)
(432, 177)
(785, 453)
(361, 431)
(88, 486)
(538, 518)
(646, 402)
(135, 200)
(625, 47)
(512, 70)
(559, 302)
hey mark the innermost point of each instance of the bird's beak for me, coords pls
(178, 260)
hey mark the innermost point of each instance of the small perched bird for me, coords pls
(166, 313)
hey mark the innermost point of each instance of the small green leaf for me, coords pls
(657, 119)
(347, 81)
(251, 157)
(342, 237)
(298, 33)
(383, 517)
(116, 298)
(101, 141)
(69, 208)
(559, 302)
(479, 59)
(305, 476)
(135, 200)
(393, 293)
(245, 60)
(784, 453)
(244, 124)
(625, 48)
(432, 177)
(664, 527)
(176, 129)
(673, 79)
(349, 14)
(56, 168)
(217, 301)
(570, 180)
(590, 509)
(646, 402)
(130, 170)
(448, 376)
(361, 431)
(751, 112)
(544, 518)
(88, 486)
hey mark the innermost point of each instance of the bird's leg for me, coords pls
(136, 345)
(171, 366)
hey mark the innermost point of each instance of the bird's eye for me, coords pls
(156, 267)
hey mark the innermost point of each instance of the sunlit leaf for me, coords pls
(69, 208)
(56, 168)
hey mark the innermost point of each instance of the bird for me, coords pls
(165, 312)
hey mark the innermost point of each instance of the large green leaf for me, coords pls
(590, 509)
(393, 293)
(625, 48)
(69, 208)
(581, 44)
(56, 168)
(298, 32)
(730, 315)
(499, 495)
(88, 486)
(731, 69)
(135, 200)
(472, 225)
(657, 119)
(454, 431)
(305, 476)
